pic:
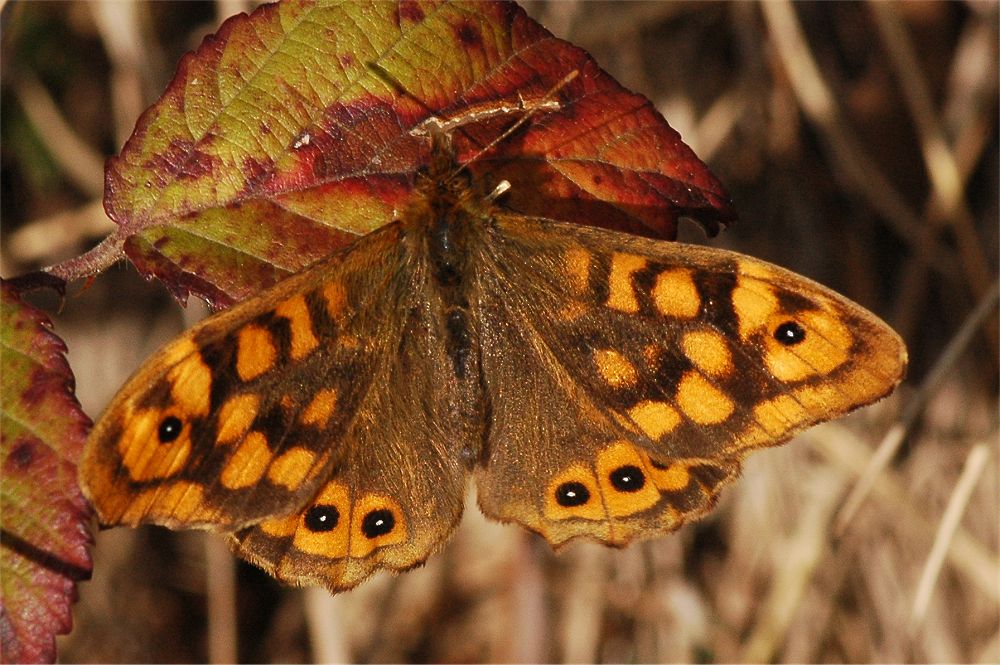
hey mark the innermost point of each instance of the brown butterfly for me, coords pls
(592, 382)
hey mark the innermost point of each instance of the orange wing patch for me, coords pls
(300, 323)
(701, 401)
(676, 295)
(255, 352)
(621, 292)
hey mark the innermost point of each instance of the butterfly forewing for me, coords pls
(643, 372)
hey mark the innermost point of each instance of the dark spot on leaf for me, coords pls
(168, 163)
(346, 60)
(411, 11)
(23, 454)
(598, 179)
(39, 386)
(178, 282)
(468, 35)
(320, 168)
(257, 172)
(198, 164)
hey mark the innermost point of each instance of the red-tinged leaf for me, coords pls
(288, 133)
(44, 536)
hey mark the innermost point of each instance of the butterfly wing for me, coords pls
(299, 418)
(397, 491)
(627, 378)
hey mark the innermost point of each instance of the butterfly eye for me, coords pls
(789, 333)
(170, 428)
(322, 518)
(627, 478)
(572, 494)
(378, 523)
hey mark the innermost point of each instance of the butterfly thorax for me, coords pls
(444, 227)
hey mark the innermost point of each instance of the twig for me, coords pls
(49, 238)
(131, 55)
(801, 554)
(718, 123)
(323, 618)
(583, 605)
(973, 469)
(530, 617)
(821, 108)
(966, 554)
(945, 176)
(221, 597)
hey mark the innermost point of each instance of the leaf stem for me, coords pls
(102, 256)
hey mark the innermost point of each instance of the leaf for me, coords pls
(288, 133)
(44, 536)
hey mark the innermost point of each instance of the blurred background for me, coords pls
(859, 143)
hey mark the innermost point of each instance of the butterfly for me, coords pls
(591, 383)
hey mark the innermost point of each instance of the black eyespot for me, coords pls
(789, 333)
(321, 518)
(170, 428)
(572, 494)
(628, 478)
(378, 523)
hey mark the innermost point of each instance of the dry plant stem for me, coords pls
(326, 634)
(973, 83)
(625, 27)
(226, 8)
(717, 123)
(991, 652)
(47, 238)
(119, 27)
(966, 554)
(915, 407)
(531, 615)
(221, 596)
(583, 605)
(946, 207)
(802, 553)
(944, 173)
(82, 165)
(972, 471)
(969, 147)
(821, 108)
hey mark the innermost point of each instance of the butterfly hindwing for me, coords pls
(396, 488)
(642, 372)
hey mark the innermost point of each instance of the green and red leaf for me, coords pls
(43, 536)
(289, 132)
